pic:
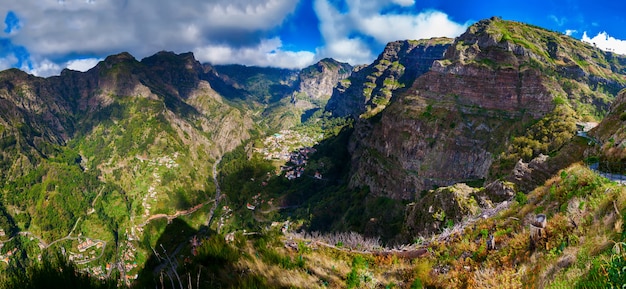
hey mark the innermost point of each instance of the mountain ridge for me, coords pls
(466, 110)
(142, 155)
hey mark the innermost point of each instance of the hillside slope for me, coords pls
(98, 154)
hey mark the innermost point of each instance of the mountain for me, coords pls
(284, 97)
(316, 83)
(137, 136)
(610, 138)
(468, 118)
(212, 175)
(129, 143)
(370, 87)
(318, 80)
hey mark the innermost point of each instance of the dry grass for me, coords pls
(327, 267)
(276, 275)
(582, 226)
(492, 278)
(583, 219)
(348, 240)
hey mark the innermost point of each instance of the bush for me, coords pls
(417, 284)
(616, 267)
(353, 280)
(521, 198)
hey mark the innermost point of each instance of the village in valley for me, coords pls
(292, 147)
(289, 150)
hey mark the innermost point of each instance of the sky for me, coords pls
(42, 37)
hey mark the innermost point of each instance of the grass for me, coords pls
(578, 202)
(583, 248)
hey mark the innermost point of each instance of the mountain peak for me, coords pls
(13, 73)
(187, 56)
(120, 57)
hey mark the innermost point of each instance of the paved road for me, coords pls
(620, 179)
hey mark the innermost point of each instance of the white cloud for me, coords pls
(336, 28)
(570, 32)
(606, 42)
(44, 68)
(52, 29)
(351, 50)
(219, 31)
(82, 64)
(346, 33)
(558, 21)
(404, 2)
(267, 53)
(386, 28)
(7, 62)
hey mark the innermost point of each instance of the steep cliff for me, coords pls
(456, 121)
(369, 89)
(609, 138)
(318, 80)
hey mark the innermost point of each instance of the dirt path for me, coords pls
(177, 214)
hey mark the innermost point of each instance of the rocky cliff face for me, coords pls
(610, 138)
(456, 119)
(370, 88)
(318, 80)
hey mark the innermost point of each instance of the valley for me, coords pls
(424, 169)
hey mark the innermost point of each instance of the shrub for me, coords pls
(359, 264)
(616, 267)
(417, 284)
(521, 198)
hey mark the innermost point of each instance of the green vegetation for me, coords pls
(52, 196)
(521, 198)
(573, 235)
(358, 273)
(546, 136)
(52, 272)
(126, 171)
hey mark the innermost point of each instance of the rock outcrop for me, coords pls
(440, 208)
(318, 80)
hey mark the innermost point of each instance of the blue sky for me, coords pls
(43, 37)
